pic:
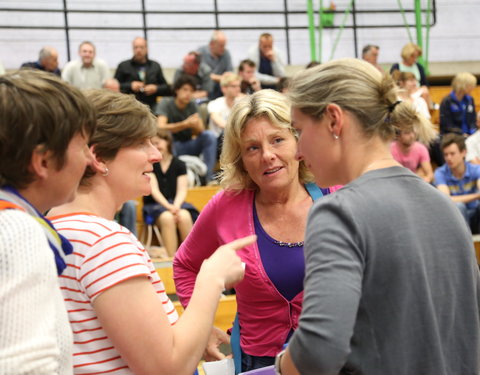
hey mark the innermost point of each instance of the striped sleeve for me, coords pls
(111, 260)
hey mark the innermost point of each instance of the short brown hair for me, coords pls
(246, 62)
(122, 121)
(452, 138)
(38, 109)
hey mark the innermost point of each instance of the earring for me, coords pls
(335, 136)
(105, 173)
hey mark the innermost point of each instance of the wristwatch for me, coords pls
(278, 359)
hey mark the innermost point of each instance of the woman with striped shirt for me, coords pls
(122, 320)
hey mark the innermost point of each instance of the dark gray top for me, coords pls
(392, 283)
(168, 108)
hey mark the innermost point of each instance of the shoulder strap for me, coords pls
(314, 191)
(235, 344)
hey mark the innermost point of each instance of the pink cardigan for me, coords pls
(265, 316)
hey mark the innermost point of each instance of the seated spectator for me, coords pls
(166, 205)
(37, 172)
(47, 61)
(410, 53)
(270, 67)
(121, 317)
(370, 54)
(408, 92)
(459, 179)
(457, 110)
(193, 66)
(473, 145)
(218, 58)
(180, 116)
(412, 154)
(141, 76)
(246, 71)
(88, 72)
(220, 108)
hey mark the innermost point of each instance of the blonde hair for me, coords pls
(227, 78)
(409, 49)
(462, 81)
(359, 88)
(267, 104)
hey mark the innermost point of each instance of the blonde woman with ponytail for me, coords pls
(391, 282)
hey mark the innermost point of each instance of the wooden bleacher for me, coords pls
(200, 195)
(227, 306)
(165, 271)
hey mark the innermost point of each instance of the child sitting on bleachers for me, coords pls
(166, 205)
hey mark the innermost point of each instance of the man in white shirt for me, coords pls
(270, 67)
(88, 72)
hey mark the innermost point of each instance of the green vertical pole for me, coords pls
(427, 36)
(311, 31)
(340, 30)
(418, 22)
(320, 31)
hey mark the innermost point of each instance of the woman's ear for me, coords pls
(41, 162)
(336, 119)
(98, 164)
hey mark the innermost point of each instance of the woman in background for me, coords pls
(166, 205)
(121, 317)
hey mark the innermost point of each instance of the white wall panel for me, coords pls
(455, 37)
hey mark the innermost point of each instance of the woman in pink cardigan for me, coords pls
(267, 192)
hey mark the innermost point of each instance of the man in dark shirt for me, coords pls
(142, 76)
(180, 116)
(47, 61)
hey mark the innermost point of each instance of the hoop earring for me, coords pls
(105, 173)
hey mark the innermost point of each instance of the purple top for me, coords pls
(283, 262)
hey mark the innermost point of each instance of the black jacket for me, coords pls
(127, 71)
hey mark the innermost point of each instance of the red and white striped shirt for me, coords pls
(105, 254)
